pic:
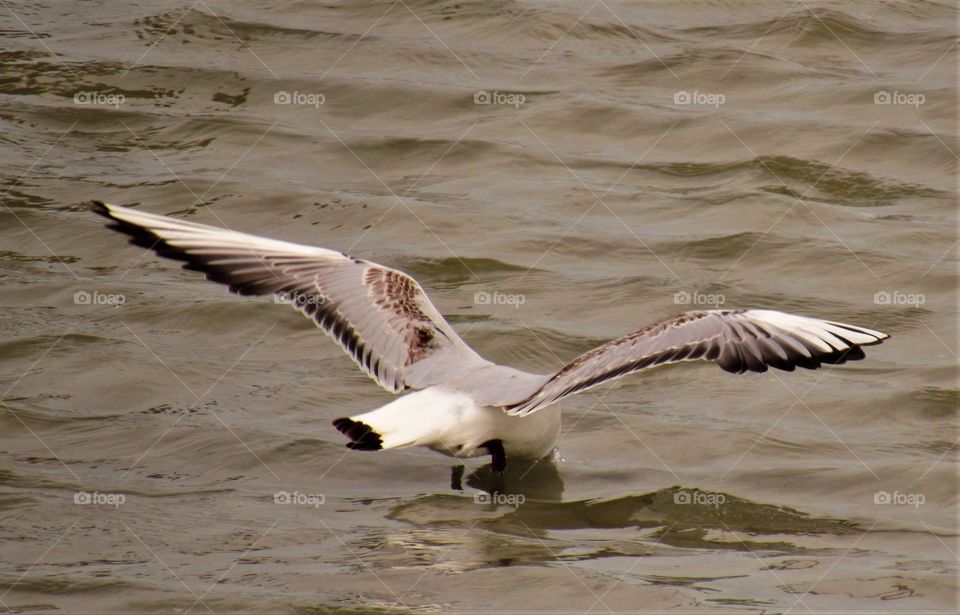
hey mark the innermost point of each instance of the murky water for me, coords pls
(591, 168)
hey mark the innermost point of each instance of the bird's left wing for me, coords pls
(739, 340)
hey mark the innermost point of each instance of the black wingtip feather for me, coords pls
(139, 236)
(362, 436)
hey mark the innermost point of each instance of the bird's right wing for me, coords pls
(379, 316)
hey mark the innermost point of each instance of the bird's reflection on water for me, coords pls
(534, 480)
(527, 499)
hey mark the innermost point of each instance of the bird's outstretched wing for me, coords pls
(739, 340)
(380, 316)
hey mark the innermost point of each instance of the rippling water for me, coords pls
(597, 166)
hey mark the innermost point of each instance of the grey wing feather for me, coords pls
(379, 316)
(738, 340)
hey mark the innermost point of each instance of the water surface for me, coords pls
(610, 164)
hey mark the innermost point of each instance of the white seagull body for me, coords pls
(462, 404)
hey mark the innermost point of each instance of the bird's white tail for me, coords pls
(417, 419)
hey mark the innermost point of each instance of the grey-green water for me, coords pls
(813, 171)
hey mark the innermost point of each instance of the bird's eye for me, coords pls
(424, 335)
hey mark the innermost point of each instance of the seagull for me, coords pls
(458, 403)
